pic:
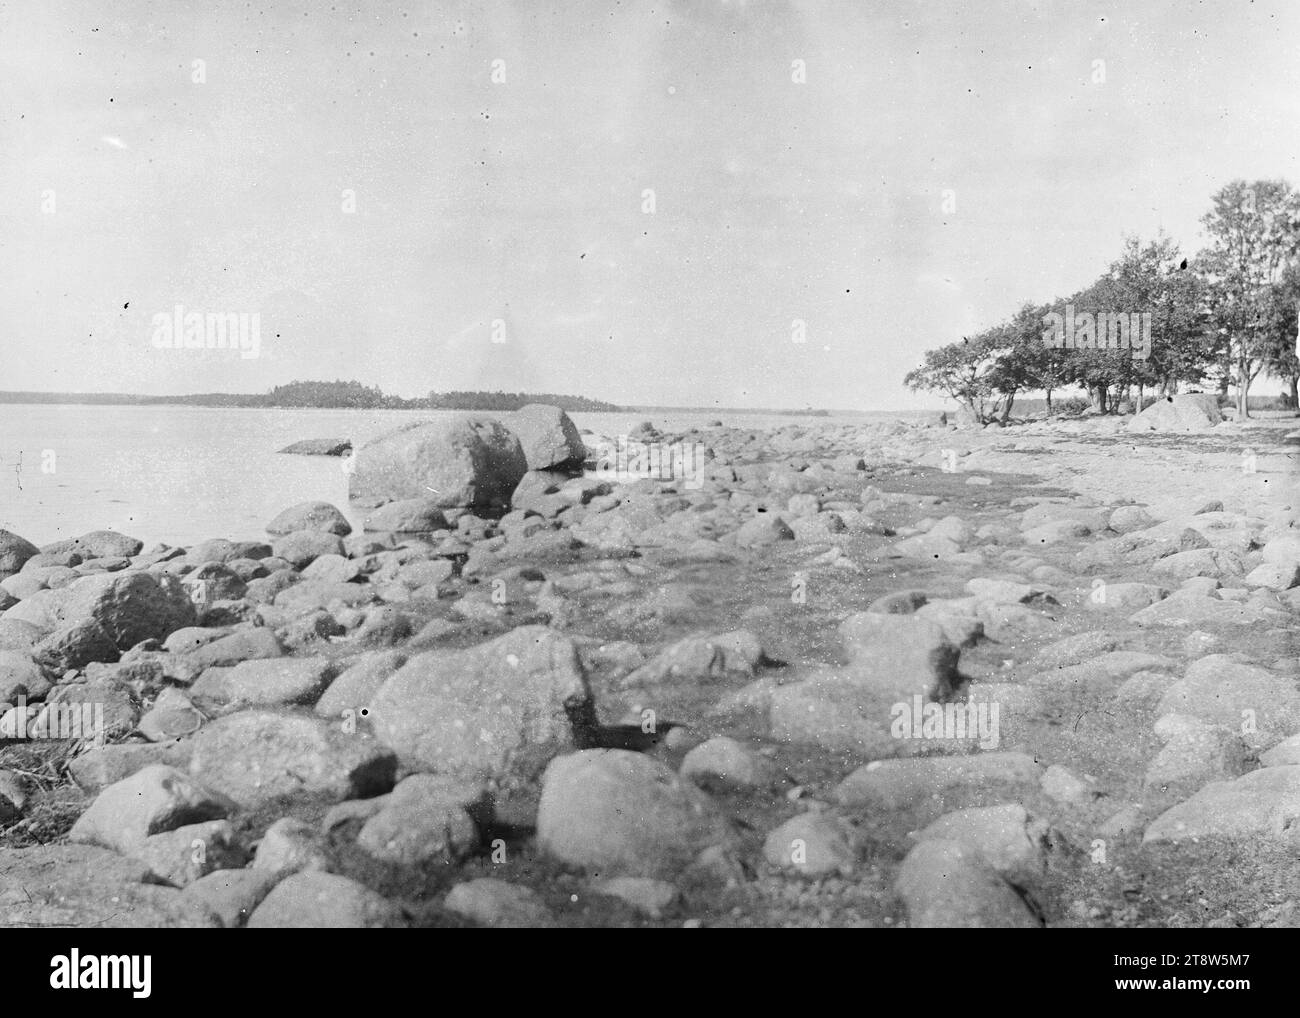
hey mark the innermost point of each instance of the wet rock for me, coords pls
(618, 812)
(315, 900)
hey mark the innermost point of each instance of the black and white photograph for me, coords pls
(783, 464)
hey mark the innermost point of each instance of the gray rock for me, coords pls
(622, 813)
(407, 516)
(231, 895)
(255, 756)
(290, 846)
(471, 462)
(722, 762)
(181, 856)
(898, 784)
(358, 684)
(947, 885)
(548, 438)
(317, 516)
(1262, 804)
(267, 682)
(151, 801)
(14, 552)
(315, 900)
(1220, 690)
(81, 886)
(424, 818)
(130, 607)
(497, 903)
(1011, 841)
(900, 655)
(302, 547)
(813, 844)
(319, 447)
(496, 710)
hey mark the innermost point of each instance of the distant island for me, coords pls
(337, 395)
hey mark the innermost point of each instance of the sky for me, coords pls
(630, 201)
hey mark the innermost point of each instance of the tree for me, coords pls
(1254, 232)
(963, 371)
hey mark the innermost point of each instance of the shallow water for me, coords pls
(185, 474)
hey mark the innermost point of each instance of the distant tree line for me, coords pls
(338, 395)
(1215, 320)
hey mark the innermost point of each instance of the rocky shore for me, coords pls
(889, 674)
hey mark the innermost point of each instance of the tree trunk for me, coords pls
(1049, 397)
(1243, 390)
(1006, 410)
(1295, 394)
(1138, 409)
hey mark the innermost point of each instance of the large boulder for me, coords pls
(500, 709)
(549, 438)
(319, 447)
(14, 552)
(130, 607)
(461, 462)
(1189, 411)
(319, 516)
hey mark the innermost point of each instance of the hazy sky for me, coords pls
(522, 201)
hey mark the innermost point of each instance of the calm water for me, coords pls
(182, 474)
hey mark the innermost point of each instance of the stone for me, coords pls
(424, 818)
(1220, 691)
(620, 813)
(231, 895)
(1184, 412)
(359, 682)
(317, 516)
(1262, 804)
(461, 462)
(302, 547)
(763, 530)
(948, 885)
(315, 900)
(1011, 841)
(255, 756)
(813, 844)
(153, 800)
(14, 552)
(724, 763)
(83, 886)
(290, 846)
(548, 438)
(267, 682)
(644, 894)
(407, 516)
(319, 447)
(181, 856)
(496, 710)
(487, 901)
(130, 607)
(898, 784)
(900, 655)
